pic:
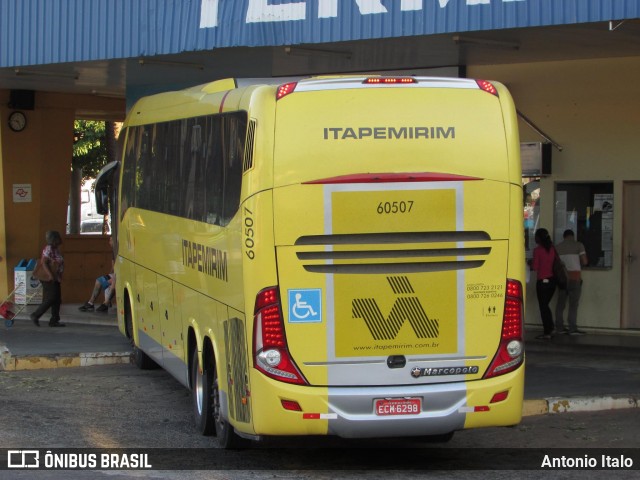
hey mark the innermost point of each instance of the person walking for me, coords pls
(574, 256)
(53, 266)
(543, 256)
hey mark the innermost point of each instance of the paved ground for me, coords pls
(120, 406)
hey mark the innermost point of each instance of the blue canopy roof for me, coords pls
(36, 32)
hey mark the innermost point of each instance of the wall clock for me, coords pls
(17, 121)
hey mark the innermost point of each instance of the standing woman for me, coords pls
(543, 256)
(53, 265)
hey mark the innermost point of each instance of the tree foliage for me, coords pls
(90, 149)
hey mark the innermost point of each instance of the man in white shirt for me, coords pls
(574, 256)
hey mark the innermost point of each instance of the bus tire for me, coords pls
(227, 437)
(140, 359)
(201, 391)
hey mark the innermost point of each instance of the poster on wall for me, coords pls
(560, 221)
(535, 158)
(587, 210)
(21, 192)
(531, 214)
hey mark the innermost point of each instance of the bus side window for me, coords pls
(213, 173)
(144, 170)
(234, 135)
(174, 187)
(190, 168)
(127, 192)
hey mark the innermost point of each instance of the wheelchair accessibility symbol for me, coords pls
(305, 305)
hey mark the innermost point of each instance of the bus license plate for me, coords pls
(398, 406)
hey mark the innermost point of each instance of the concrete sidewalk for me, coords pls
(89, 338)
(598, 371)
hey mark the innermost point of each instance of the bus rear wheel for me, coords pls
(201, 390)
(207, 408)
(227, 437)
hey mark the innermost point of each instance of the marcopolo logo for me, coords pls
(406, 308)
(417, 372)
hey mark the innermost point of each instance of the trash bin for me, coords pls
(28, 289)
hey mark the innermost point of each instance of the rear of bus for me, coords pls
(398, 309)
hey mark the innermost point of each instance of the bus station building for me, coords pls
(573, 68)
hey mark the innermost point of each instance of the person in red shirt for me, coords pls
(53, 263)
(543, 256)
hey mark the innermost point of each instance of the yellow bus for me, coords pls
(333, 256)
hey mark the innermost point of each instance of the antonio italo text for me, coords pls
(587, 461)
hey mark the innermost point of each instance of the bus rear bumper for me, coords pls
(440, 413)
(349, 412)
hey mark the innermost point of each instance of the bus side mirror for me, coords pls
(102, 201)
(102, 186)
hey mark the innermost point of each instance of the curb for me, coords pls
(35, 362)
(553, 405)
(534, 407)
(93, 319)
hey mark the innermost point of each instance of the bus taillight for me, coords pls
(389, 80)
(270, 352)
(487, 87)
(285, 89)
(510, 353)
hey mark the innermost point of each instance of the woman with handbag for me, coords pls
(51, 266)
(543, 256)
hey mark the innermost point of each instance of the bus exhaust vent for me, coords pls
(247, 163)
(384, 253)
